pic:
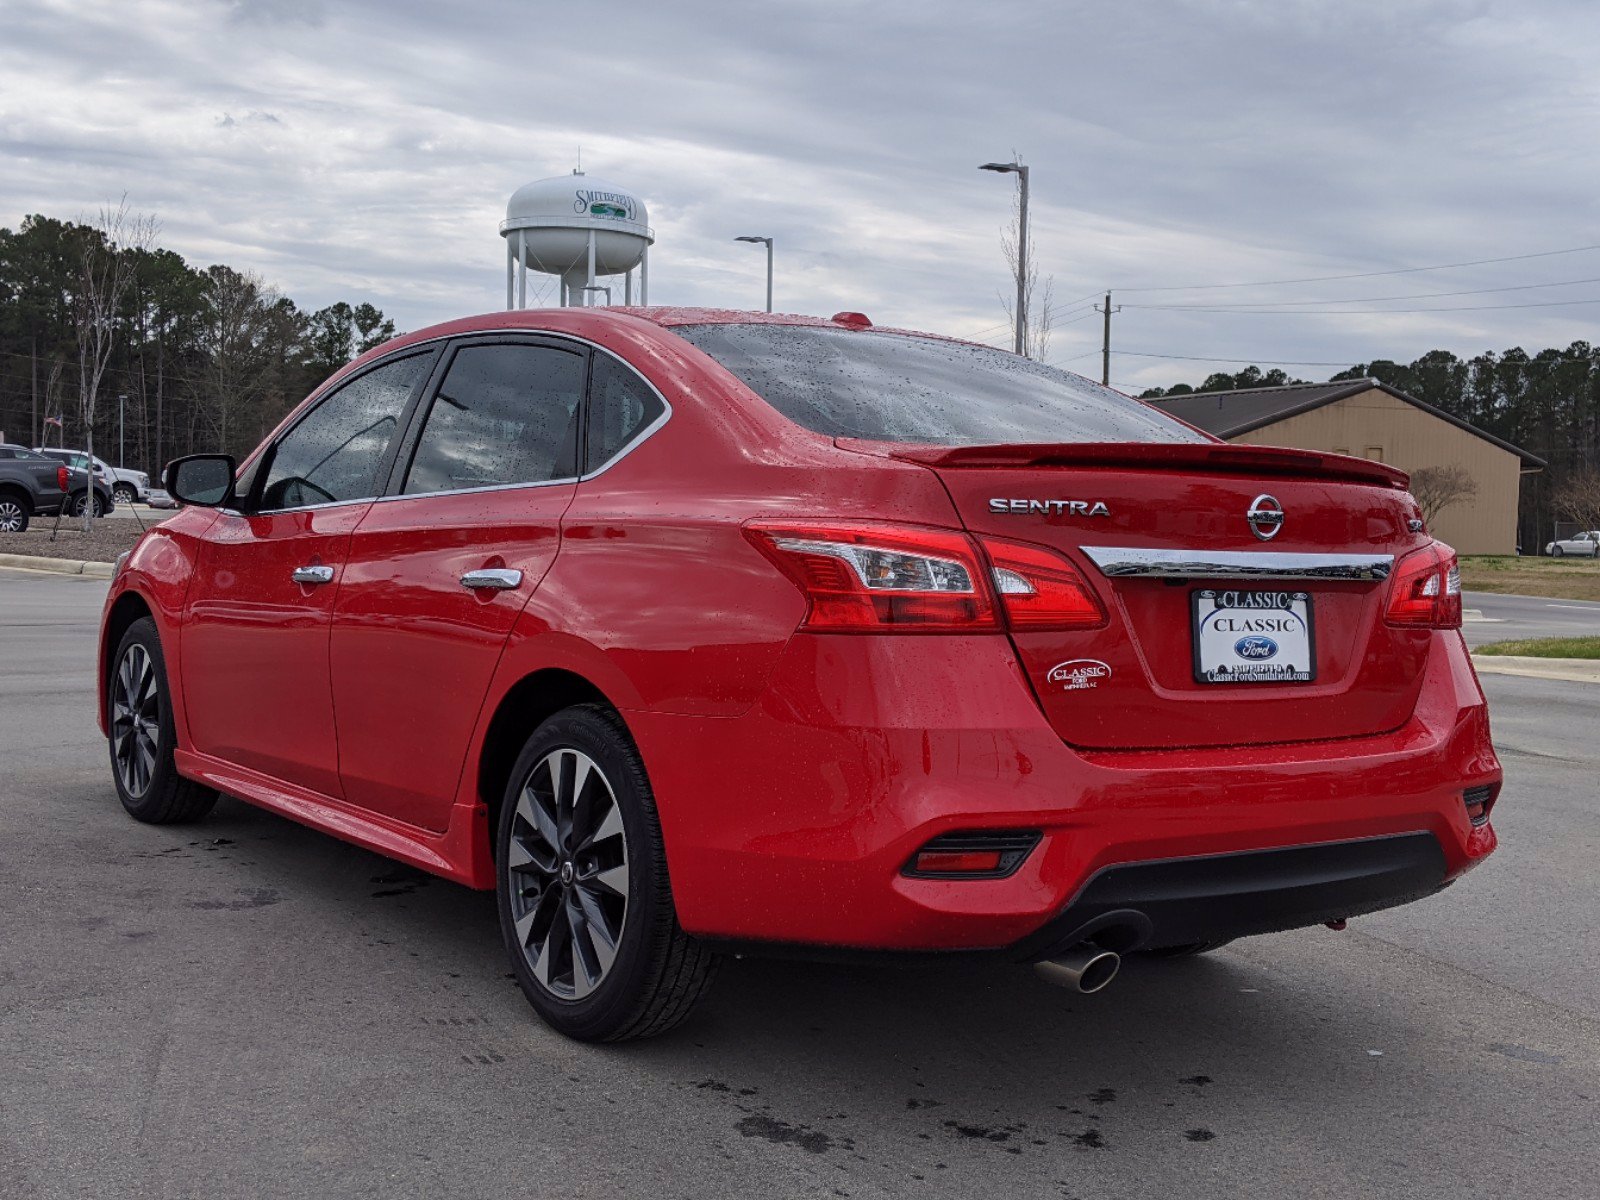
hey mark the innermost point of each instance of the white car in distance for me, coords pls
(1584, 545)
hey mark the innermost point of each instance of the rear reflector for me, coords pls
(973, 854)
(956, 862)
(879, 578)
(1425, 591)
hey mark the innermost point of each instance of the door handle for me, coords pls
(499, 580)
(312, 574)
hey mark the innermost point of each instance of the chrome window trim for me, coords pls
(1118, 562)
(639, 438)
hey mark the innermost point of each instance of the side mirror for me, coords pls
(203, 479)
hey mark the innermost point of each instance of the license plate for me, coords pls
(1253, 637)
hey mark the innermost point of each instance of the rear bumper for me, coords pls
(791, 823)
(1181, 901)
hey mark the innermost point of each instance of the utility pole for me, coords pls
(1105, 344)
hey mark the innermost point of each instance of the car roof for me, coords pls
(575, 321)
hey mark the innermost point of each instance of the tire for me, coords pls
(576, 872)
(124, 493)
(1556, 552)
(142, 735)
(81, 499)
(1186, 951)
(13, 514)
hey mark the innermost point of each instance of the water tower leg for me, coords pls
(511, 268)
(522, 268)
(589, 296)
(644, 276)
(627, 288)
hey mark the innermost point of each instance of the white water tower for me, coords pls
(581, 229)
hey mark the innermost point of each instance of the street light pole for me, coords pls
(768, 243)
(1021, 172)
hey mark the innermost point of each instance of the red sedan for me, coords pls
(689, 630)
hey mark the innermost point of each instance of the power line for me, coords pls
(1271, 362)
(1298, 362)
(1481, 262)
(1357, 312)
(1264, 305)
(1053, 310)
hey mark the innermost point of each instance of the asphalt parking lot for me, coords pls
(245, 1008)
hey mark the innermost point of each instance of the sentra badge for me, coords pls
(1071, 508)
(1079, 674)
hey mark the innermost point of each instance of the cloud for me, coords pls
(364, 151)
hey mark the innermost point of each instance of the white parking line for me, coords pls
(1579, 607)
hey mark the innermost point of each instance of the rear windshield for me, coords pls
(891, 387)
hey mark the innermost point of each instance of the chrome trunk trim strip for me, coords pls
(1120, 561)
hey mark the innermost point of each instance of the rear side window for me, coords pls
(334, 452)
(504, 414)
(621, 406)
(897, 388)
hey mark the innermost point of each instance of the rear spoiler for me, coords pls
(1232, 459)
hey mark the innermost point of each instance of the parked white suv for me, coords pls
(126, 485)
(1585, 545)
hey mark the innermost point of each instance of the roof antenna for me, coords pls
(578, 170)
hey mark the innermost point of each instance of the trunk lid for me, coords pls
(1149, 526)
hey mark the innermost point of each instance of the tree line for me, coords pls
(148, 357)
(1547, 403)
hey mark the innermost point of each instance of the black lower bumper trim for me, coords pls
(1180, 901)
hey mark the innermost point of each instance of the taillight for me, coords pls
(63, 478)
(1426, 589)
(1039, 589)
(879, 578)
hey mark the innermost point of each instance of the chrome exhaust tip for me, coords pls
(1085, 968)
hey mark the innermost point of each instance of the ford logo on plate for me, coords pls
(1258, 648)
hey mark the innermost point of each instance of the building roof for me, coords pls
(1228, 414)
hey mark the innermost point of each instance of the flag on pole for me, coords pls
(56, 421)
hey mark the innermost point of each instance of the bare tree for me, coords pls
(1438, 488)
(104, 274)
(1579, 497)
(1037, 296)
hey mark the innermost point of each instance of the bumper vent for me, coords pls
(1479, 800)
(973, 854)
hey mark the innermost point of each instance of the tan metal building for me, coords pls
(1369, 419)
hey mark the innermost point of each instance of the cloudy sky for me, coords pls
(365, 150)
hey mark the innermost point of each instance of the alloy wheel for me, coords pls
(11, 516)
(567, 868)
(135, 720)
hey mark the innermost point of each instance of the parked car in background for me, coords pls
(1584, 545)
(160, 499)
(692, 632)
(127, 485)
(30, 486)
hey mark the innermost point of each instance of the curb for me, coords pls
(58, 566)
(1575, 670)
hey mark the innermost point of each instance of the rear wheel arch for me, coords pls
(531, 701)
(12, 492)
